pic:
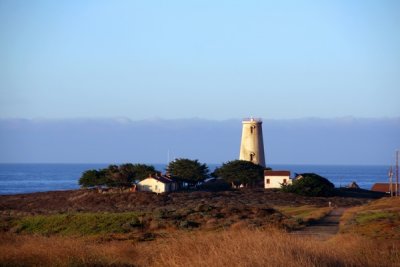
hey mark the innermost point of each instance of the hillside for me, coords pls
(92, 201)
(229, 228)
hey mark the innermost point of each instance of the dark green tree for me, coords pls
(240, 172)
(310, 184)
(141, 171)
(92, 178)
(113, 175)
(117, 177)
(187, 170)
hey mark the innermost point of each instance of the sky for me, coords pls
(199, 59)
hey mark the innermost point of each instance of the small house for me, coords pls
(383, 187)
(353, 185)
(275, 179)
(158, 184)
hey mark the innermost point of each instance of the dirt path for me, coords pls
(324, 228)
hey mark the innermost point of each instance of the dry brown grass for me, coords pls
(28, 250)
(379, 219)
(265, 248)
(226, 248)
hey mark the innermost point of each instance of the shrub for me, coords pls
(310, 184)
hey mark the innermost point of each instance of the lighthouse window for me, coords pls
(252, 156)
(252, 129)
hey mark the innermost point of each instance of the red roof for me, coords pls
(276, 173)
(383, 187)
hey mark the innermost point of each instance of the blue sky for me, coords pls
(207, 59)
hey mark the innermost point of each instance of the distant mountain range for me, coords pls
(117, 140)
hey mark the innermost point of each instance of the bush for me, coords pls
(310, 184)
(215, 185)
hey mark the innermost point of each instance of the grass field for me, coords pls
(379, 219)
(225, 248)
(78, 223)
(304, 213)
(95, 223)
(369, 237)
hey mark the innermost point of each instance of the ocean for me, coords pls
(28, 178)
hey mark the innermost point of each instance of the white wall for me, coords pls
(151, 185)
(276, 181)
(252, 142)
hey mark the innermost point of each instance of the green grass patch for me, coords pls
(304, 213)
(363, 218)
(79, 223)
(379, 219)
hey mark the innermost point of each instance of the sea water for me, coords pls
(28, 178)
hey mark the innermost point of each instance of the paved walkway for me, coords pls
(325, 228)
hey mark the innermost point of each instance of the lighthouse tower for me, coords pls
(252, 145)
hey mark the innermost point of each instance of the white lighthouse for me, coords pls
(252, 145)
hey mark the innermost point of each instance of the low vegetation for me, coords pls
(225, 248)
(379, 219)
(312, 185)
(78, 223)
(85, 200)
(202, 216)
(245, 227)
(304, 214)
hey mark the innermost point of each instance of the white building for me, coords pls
(252, 146)
(157, 184)
(275, 179)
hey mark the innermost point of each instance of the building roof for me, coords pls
(353, 185)
(164, 179)
(382, 187)
(276, 173)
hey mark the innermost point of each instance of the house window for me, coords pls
(268, 181)
(284, 181)
(156, 187)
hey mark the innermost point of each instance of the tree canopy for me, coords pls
(240, 172)
(190, 171)
(139, 171)
(113, 175)
(91, 178)
(310, 184)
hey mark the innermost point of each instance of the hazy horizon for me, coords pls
(307, 141)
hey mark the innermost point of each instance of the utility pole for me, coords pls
(390, 174)
(397, 173)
